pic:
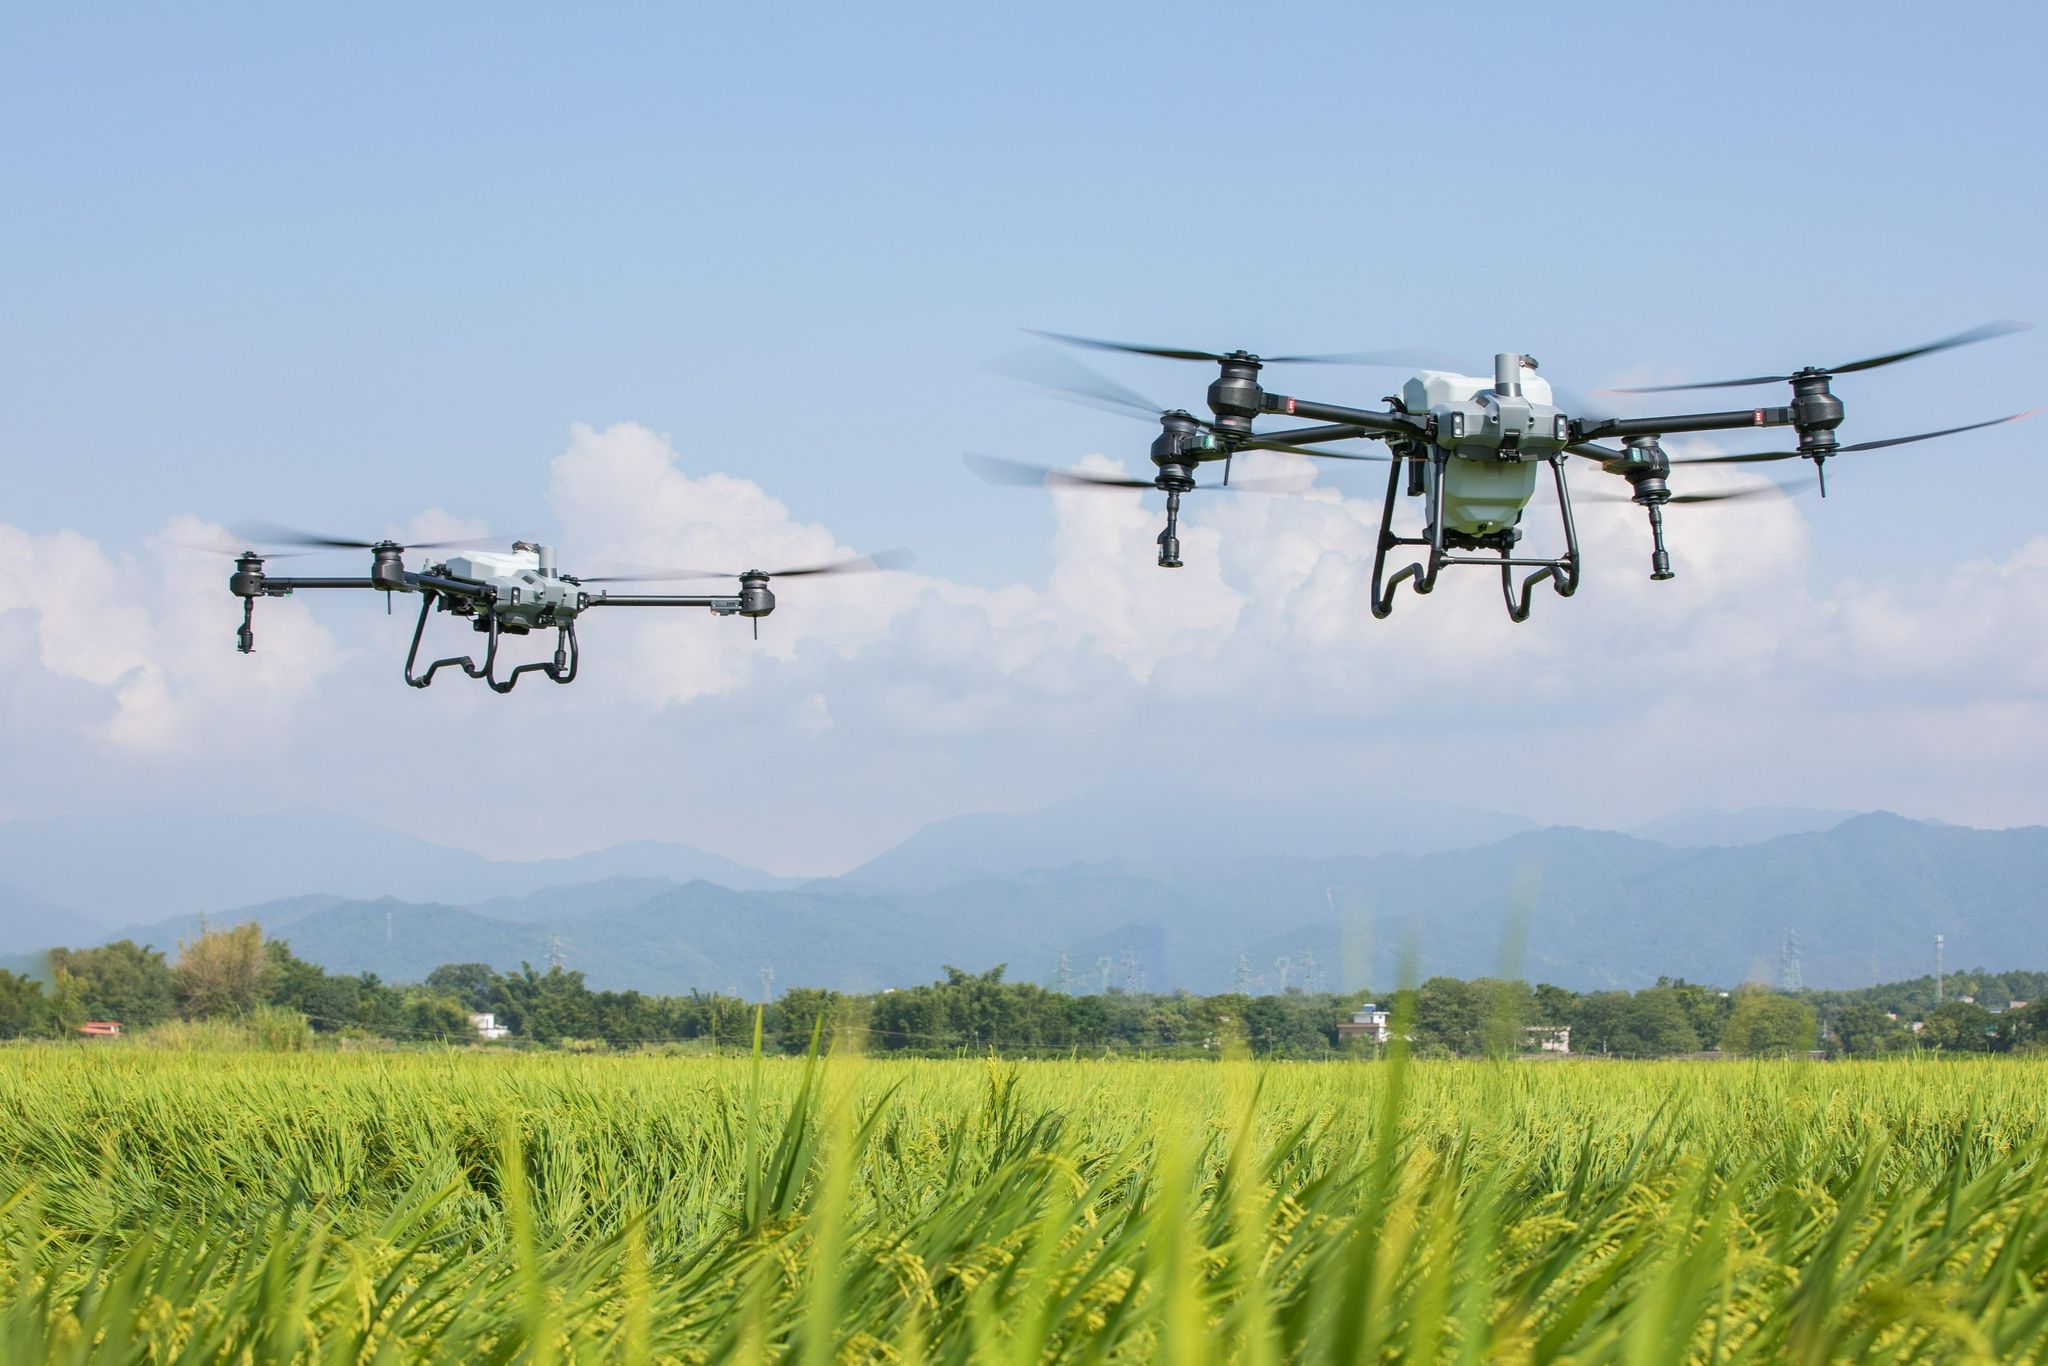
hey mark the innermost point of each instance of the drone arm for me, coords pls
(277, 588)
(448, 588)
(1737, 420)
(722, 606)
(1309, 436)
(1368, 423)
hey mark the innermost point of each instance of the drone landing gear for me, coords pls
(561, 670)
(1426, 478)
(1169, 539)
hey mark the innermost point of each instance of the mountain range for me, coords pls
(1219, 905)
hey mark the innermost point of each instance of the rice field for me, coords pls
(191, 1206)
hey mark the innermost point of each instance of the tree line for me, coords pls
(236, 974)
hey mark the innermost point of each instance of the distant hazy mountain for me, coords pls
(189, 861)
(1706, 826)
(1136, 830)
(1582, 908)
(27, 923)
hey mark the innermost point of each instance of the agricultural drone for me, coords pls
(1468, 446)
(503, 593)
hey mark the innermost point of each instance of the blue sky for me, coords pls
(342, 268)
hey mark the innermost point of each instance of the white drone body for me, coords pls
(528, 589)
(1498, 431)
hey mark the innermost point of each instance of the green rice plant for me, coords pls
(213, 1206)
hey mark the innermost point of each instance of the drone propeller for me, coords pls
(1419, 359)
(1975, 334)
(857, 564)
(271, 533)
(1750, 457)
(1715, 496)
(1070, 380)
(1067, 378)
(227, 546)
(1019, 474)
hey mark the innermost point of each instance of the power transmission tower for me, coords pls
(767, 984)
(1241, 980)
(1104, 965)
(1788, 962)
(1063, 976)
(554, 951)
(1939, 945)
(1284, 966)
(1311, 975)
(1134, 980)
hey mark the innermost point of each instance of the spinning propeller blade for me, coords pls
(231, 547)
(1750, 457)
(272, 534)
(1418, 359)
(1067, 378)
(1018, 474)
(1077, 383)
(857, 564)
(2002, 328)
(1716, 496)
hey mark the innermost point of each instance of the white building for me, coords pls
(1369, 1022)
(1547, 1038)
(487, 1027)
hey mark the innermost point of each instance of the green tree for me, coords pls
(549, 1006)
(1706, 1009)
(426, 1014)
(24, 1010)
(328, 1001)
(1766, 1024)
(1652, 1023)
(474, 984)
(1959, 1027)
(2026, 1028)
(223, 972)
(119, 981)
(1552, 1005)
(1451, 1016)
(1863, 1029)
(799, 1010)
